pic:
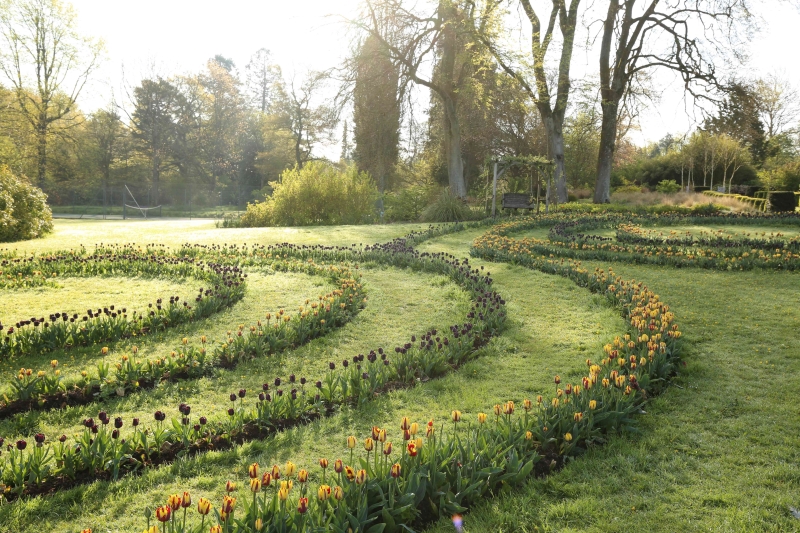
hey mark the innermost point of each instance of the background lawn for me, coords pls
(717, 452)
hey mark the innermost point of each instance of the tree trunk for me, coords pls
(605, 161)
(156, 175)
(455, 163)
(555, 146)
(41, 149)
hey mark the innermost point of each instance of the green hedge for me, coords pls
(758, 203)
(24, 213)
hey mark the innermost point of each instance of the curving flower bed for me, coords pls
(46, 389)
(567, 238)
(437, 471)
(101, 452)
(226, 285)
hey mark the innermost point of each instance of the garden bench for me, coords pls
(513, 200)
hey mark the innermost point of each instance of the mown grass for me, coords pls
(717, 452)
(74, 233)
(517, 365)
(76, 295)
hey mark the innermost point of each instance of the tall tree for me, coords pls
(308, 120)
(411, 40)
(739, 117)
(47, 63)
(106, 130)
(223, 122)
(376, 112)
(154, 125)
(551, 111)
(262, 79)
(640, 35)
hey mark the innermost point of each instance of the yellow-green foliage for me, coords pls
(317, 194)
(758, 203)
(24, 213)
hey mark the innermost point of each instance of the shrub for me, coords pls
(317, 194)
(668, 186)
(447, 208)
(628, 188)
(408, 203)
(782, 201)
(24, 213)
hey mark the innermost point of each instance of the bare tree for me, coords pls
(638, 35)
(778, 105)
(551, 112)
(47, 63)
(307, 123)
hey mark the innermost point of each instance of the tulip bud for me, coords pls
(255, 485)
(323, 463)
(338, 466)
(338, 493)
(230, 486)
(186, 500)
(481, 418)
(387, 448)
(369, 444)
(351, 442)
(395, 470)
(302, 476)
(456, 416)
(253, 470)
(323, 493)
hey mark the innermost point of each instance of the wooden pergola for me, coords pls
(542, 166)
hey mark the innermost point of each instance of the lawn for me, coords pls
(716, 452)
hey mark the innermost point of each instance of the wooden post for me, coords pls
(494, 191)
(549, 191)
(124, 202)
(538, 188)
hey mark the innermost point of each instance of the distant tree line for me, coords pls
(224, 134)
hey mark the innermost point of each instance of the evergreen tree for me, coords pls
(376, 112)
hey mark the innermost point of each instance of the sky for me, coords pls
(179, 36)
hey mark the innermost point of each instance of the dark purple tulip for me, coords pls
(135, 422)
(242, 392)
(39, 438)
(21, 444)
(115, 434)
(231, 412)
(233, 397)
(118, 422)
(203, 421)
